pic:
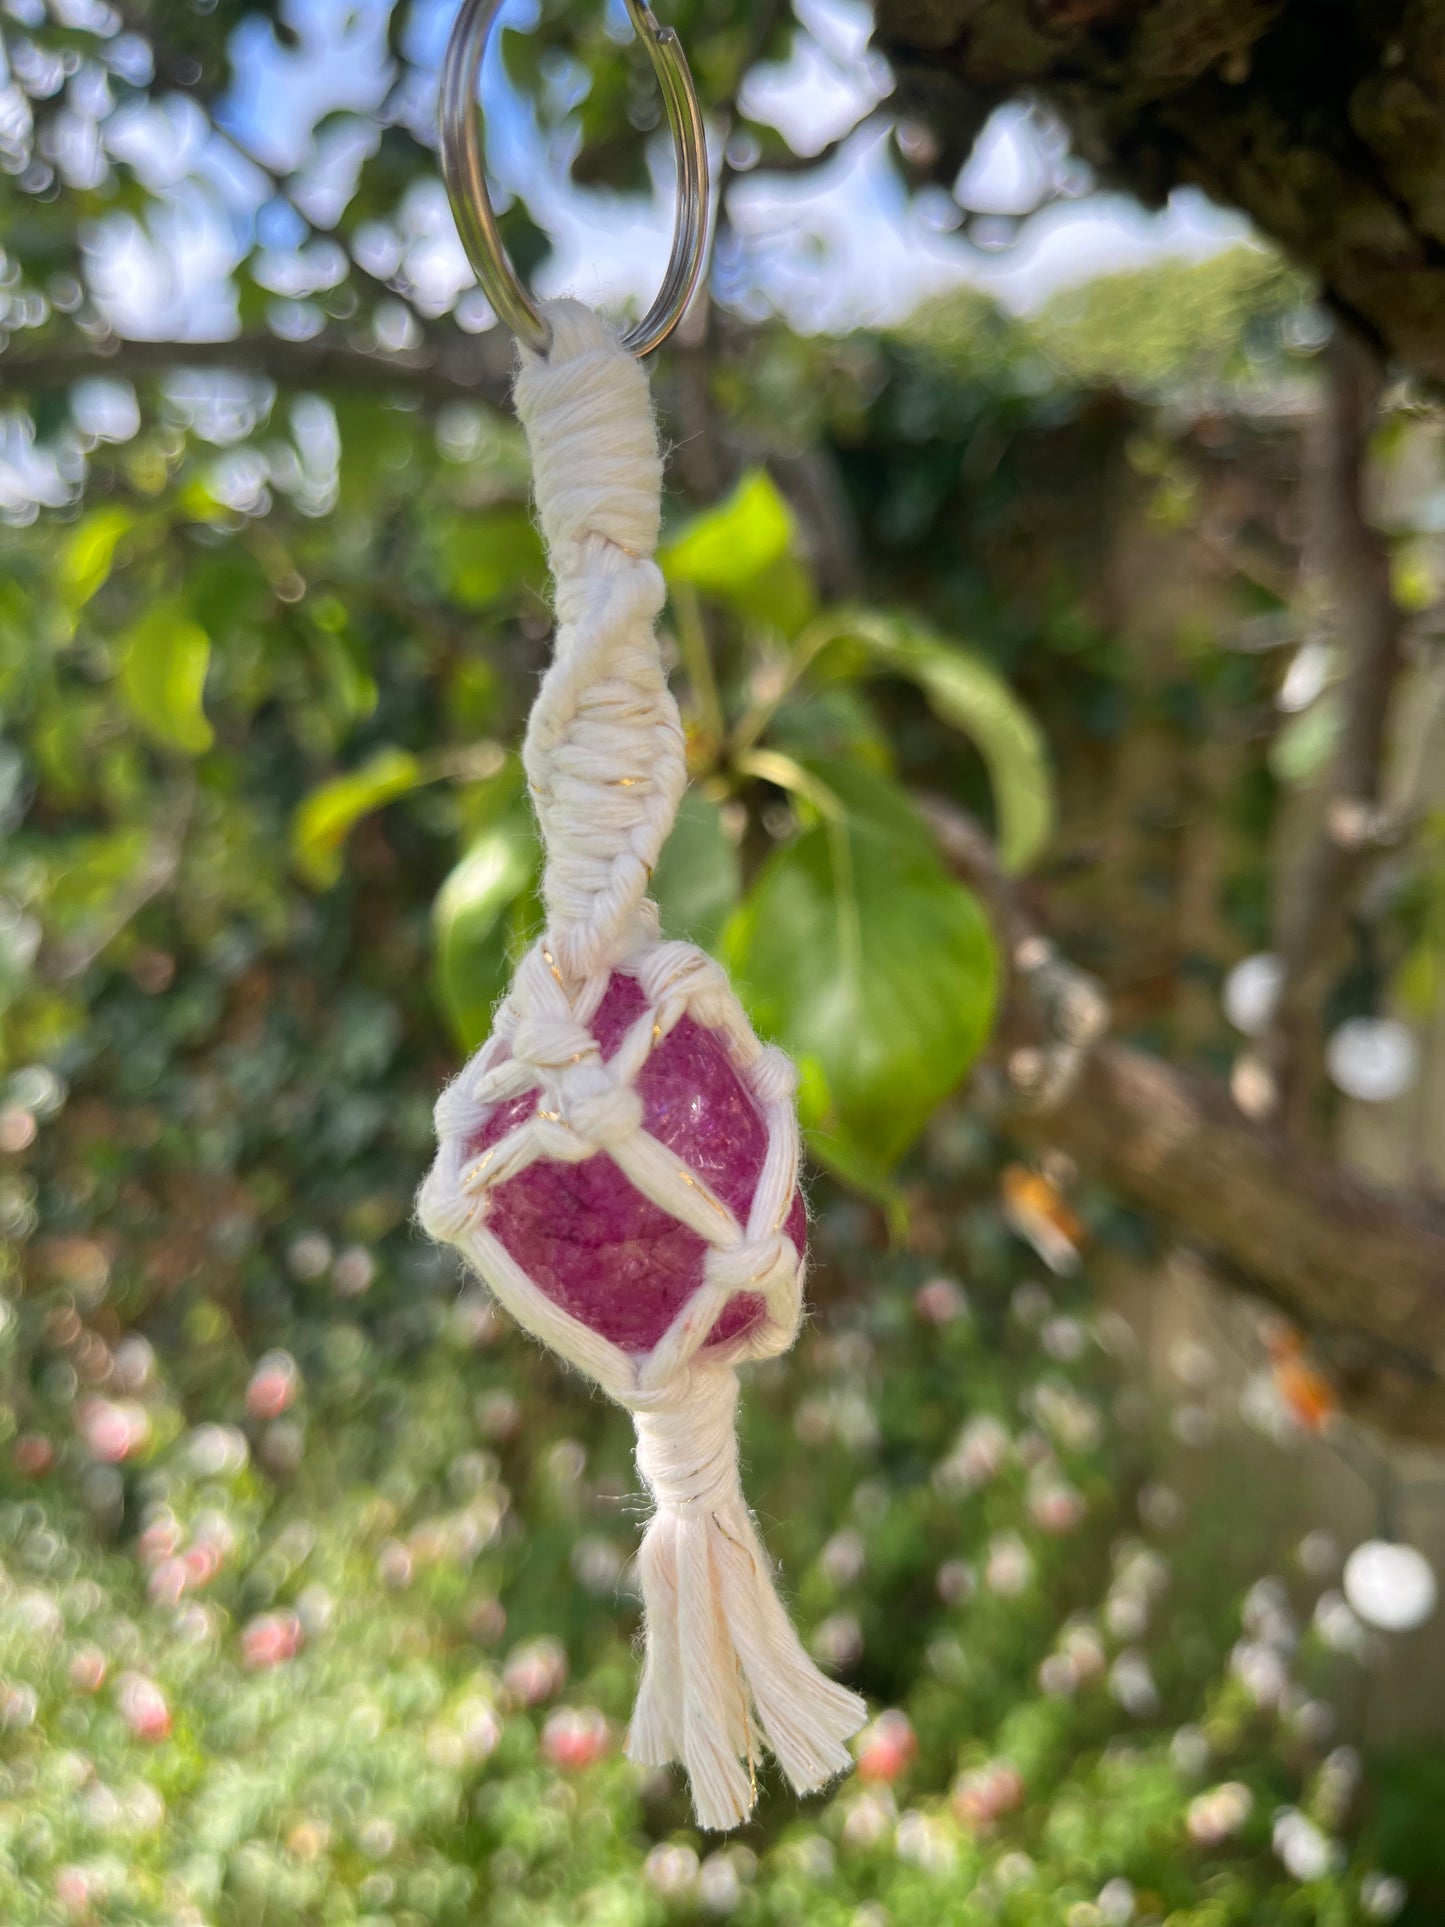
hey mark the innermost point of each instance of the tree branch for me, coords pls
(1352, 566)
(448, 367)
(1362, 1267)
(1331, 139)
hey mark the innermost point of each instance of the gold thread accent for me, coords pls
(703, 1192)
(551, 963)
(477, 1166)
(747, 1732)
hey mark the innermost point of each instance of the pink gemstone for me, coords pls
(594, 1244)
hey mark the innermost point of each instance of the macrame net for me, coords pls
(619, 1161)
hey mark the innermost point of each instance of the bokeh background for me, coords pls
(999, 605)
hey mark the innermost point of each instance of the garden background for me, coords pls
(1042, 575)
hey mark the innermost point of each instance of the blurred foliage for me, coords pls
(315, 1603)
(311, 1604)
(1219, 330)
(312, 1607)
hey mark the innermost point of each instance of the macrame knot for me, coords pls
(774, 1075)
(609, 588)
(750, 1264)
(597, 1107)
(554, 1139)
(457, 1112)
(443, 1206)
(678, 978)
(549, 1042)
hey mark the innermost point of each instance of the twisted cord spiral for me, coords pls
(604, 752)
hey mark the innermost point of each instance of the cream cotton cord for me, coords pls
(604, 757)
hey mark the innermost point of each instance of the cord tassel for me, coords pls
(721, 1651)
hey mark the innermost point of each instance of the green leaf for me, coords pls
(88, 557)
(834, 719)
(165, 656)
(743, 552)
(325, 818)
(480, 920)
(90, 871)
(492, 555)
(969, 695)
(739, 538)
(697, 882)
(870, 964)
(349, 688)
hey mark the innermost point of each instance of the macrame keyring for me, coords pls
(619, 1161)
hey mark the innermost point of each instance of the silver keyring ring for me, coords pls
(464, 171)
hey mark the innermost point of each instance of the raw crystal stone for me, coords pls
(592, 1242)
